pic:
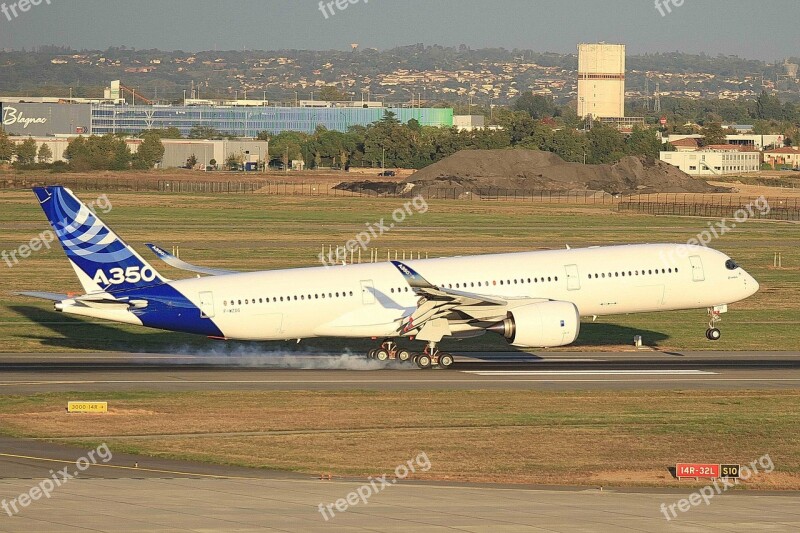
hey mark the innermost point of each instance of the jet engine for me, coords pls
(540, 325)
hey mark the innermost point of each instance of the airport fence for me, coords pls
(82, 184)
(680, 204)
(712, 206)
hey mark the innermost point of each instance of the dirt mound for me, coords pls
(531, 171)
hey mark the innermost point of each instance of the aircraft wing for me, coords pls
(437, 302)
(173, 261)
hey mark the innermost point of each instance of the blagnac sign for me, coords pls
(12, 116)
(45, 120)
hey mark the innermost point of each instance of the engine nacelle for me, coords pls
(541, 325)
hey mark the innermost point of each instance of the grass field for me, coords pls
(585, 438)
(253, 232)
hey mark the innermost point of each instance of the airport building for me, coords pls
(715, 160)
(688, 142)
(247, 121)
(601, 80)
(785, 157)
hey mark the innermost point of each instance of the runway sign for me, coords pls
(729, 471)
(87, 407)
(696, 470)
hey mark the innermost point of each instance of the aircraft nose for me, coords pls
(751, 284)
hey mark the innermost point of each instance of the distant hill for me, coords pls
(52, 71)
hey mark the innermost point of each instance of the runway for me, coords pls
(168, 495)
(30, 373)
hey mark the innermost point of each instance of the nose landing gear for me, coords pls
(713, 333)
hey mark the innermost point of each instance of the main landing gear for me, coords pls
(429, 358)
(713, 333)
(390, 351)
(432, 356)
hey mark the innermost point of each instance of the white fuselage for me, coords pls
(370, 300)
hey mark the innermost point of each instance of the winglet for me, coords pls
(412, 277)
(173, 261)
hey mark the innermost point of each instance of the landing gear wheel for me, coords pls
(371, 354)
(713, 333)
(415, 359)
(446, 360)
(424, 361)
(404, 355)
(381, 355)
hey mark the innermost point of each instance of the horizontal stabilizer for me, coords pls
(173, 261)
(51, 296)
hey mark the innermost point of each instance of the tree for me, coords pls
(518, 124)
(537, 106)
(331, 94)
(191, 162)
(287, 146)
(204, 132)
(150, 152)
(26, 152)
(98, 153)
(570, 145)
(167, 133)
(45, 154)
(233, 162)
(644, 142)
(6, 147)
(769, 107)
(714, 134)
(389, 118)
(605, 145)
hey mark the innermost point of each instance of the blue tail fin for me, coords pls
(102, 260)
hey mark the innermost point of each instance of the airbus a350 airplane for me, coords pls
(533, 299)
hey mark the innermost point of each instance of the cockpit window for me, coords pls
(730, 264)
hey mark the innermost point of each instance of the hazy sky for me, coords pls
(759, 29)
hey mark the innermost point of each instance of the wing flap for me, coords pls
(437, 302)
